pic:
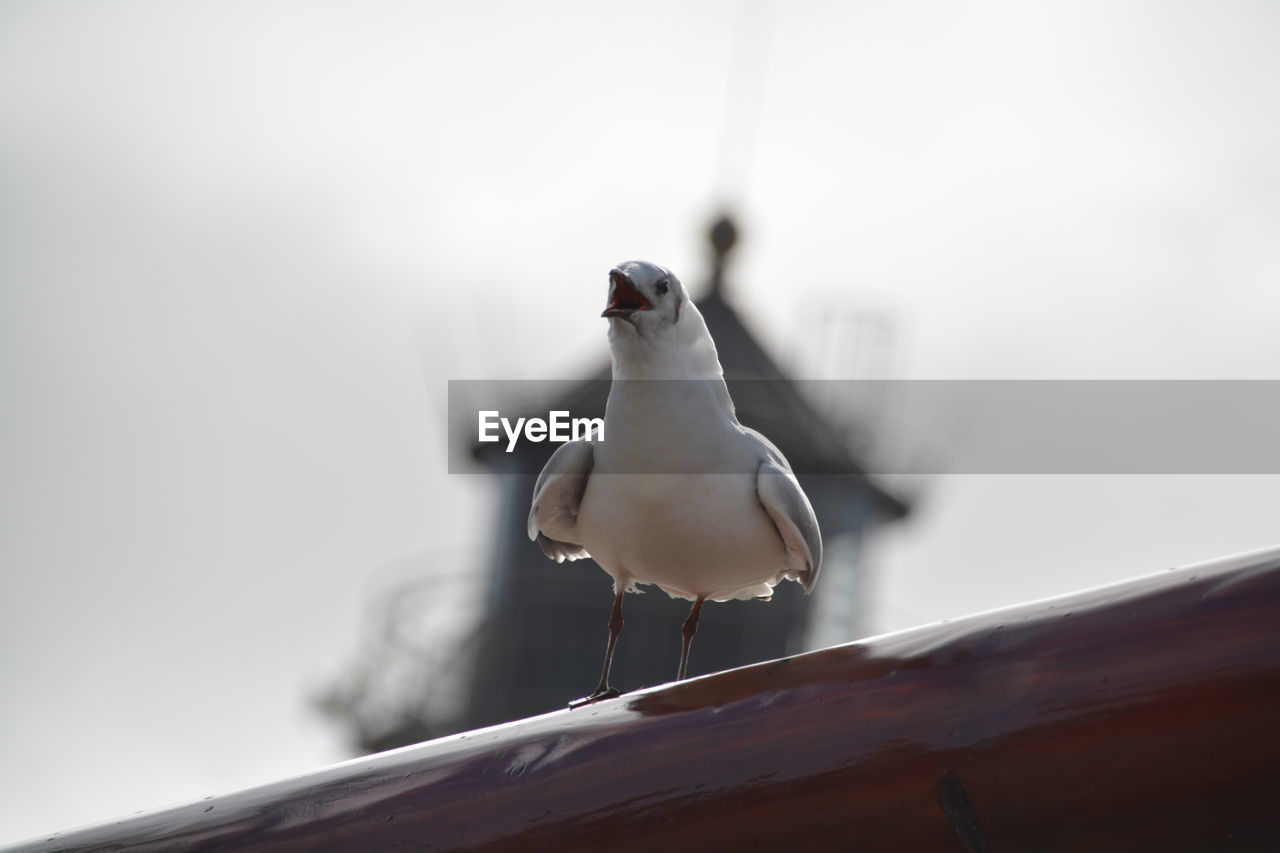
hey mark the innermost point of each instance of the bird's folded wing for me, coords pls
(786, 503)
(553, 517)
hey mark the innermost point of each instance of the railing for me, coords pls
(1142, 716)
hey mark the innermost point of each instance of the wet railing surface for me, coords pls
(1141, 716)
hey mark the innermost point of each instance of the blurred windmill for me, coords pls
(537, 646)
(534, 643)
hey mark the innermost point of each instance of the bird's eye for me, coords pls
(662, 287)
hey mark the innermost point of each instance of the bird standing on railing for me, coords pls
(676, 493)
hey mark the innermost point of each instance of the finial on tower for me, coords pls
(724, 235)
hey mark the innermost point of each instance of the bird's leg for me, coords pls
(603, 690)
(690, 628)
(615, 628)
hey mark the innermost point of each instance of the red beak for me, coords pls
(624, 298)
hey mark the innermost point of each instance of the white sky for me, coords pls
(243, 245)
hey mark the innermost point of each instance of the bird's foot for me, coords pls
(606, 693)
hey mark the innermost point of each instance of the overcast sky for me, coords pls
(243, 245)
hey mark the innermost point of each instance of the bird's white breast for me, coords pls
(696, 534)
(672, 496)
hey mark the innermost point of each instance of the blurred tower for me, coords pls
(542, 639)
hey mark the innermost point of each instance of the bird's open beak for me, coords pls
(624, 298)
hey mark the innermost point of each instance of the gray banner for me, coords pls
(913, 427)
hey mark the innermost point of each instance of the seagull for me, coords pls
(676, 492)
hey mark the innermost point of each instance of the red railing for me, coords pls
(1138, 717)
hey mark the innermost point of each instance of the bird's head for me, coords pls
(645, 296)
(655, 331)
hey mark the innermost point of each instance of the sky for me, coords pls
(243, 247)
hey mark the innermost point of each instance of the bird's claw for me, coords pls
(607, 693)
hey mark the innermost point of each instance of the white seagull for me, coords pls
(677, 493)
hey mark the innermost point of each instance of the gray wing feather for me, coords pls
(785, 502)
(553, 515)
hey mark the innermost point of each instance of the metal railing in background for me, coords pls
(1141, 716)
